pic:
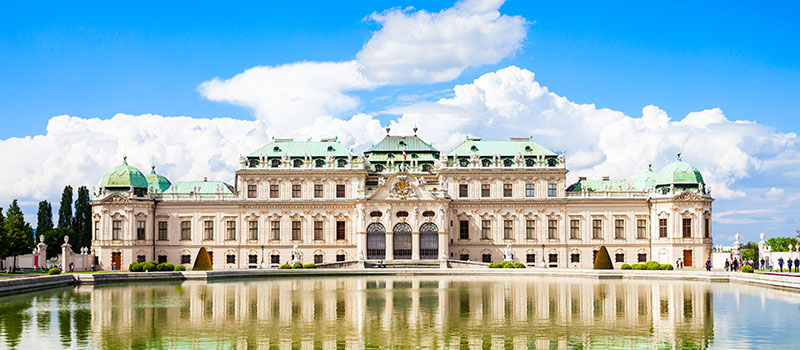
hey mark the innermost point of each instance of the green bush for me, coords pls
(495, 265)
(519, 265)
(149, 267)
(202, 262)
(651, 265)
(54, 271)
(625, 267)
(747, 268)
(165, 267)
(309, 266)
(285, 266)
(135, 267)
(180, 268)
(297, 265)
(507, 265)
(603, 261)
(637, 267)
(666, 267)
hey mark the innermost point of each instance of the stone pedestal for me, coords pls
(66, 254)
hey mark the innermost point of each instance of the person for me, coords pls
(727, 264)
(762, 264)
(780, 263)
(789, 264)
(93, 267)
(796, 263)
(735, 266)
(708, 265)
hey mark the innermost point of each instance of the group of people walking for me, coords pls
(766, 264)
(789, 264)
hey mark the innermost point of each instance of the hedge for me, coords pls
(651, 265)
(135, 267)
(149, 267)
(202, 262)
(165, 267)
(309, 266)
(603, 261)
(507, 265)
(285, 266)
(54, 271)
(180, 268)
(666, 267)
(638, 267)
(519, 265)
(625, 267)
(747, 268)
(495, 265)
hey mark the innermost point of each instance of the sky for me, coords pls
(190, 86)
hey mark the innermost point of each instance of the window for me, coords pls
(597, 229)
(341, 163)
(297, 163)
(318, 258)
(319, 163)
(375, 214)
(230, 228)
(464, 257)
(642, 257)
(296, 231)
(162, 259)
(252, 259)
(339, 191)
(574, 258)
(486, 190)
(141, 258)
(530, 190)
(251, 191)
(428, 214)
(402, 214)
(463, 190)
(508, 190)
(275, 228)
(641, 228)
(508, 229)
(619, 229)
(619, 257)
(463, 229)
(162, 230)
(275, 259)
(486, 229)
(662, 228)
(275, 163)
(318, 231)
(574, 229)
(707, 228)
(552, 258)
(487, 258)
(340, 230)
(551, 190)
(339, 257)
(317, 191)
(253, 228)
(186, 230)
(274, 191)
(530, 229)
(530, 258)
(687, 228)
(208, 230)
(230, 259)
(297, 191)
(140, 230)
(552, 230)
(97, 230)
(186, 259)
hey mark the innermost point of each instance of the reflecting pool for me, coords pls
(405, 312)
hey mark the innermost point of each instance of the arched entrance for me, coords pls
(428, 241)
(376, 241)
(402, 241)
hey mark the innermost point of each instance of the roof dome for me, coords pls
(157, 183)
(679, 173)
(124, 177)
(646, 180)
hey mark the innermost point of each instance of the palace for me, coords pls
(404, 203)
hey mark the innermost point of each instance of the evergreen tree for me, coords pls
(65, 211)
(55, 238)
(44, 218)
(3, 238)
(19, 234)
(82, 224)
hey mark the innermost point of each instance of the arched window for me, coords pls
(379, 167)
(426, 167)
(529, 162)
(275, 163)
(507, 162)
(341, 163)
(473, 148)
(402, 241)
(319, 163)
(376, 241)
(297, 163)
(486, 163)
(428, 240)
(463, 162)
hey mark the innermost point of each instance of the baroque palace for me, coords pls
(404, 203)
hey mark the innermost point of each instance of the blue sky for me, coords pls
(96, 59)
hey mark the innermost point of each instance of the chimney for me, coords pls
(205, 179)
(581, 178)
(606, 178)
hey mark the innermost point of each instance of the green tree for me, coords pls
(44, 218)
(65, 210)
(781, 244)
(55, 238)
(82, 224)
(19, 234)
(3, 238)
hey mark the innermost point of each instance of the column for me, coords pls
(414, 245)
(389, 246)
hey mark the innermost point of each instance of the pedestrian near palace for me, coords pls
(780, 263)
(727, 264)
(789, 264)
(762, 264)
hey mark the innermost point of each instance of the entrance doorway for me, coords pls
(428, 241)
(687, 258)
(376, 241)
(116, 260)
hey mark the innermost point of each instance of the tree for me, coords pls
(65, 210)
(55, 238)
(82, 224)
(3, 238)
(602, 261)
(44, 216)
(19, 234)
(781, 244)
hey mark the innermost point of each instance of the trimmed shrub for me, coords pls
(495, 265)
(666, 267)
(637, 267)
(297, 265)
(149, 267)
(202, 262)
(309, 266)
(747, 268)
(285, 266)
(507, 265)
(135, 267)
(651, 265)
(519, 265)
(165, 267)
(603, 261)
(180, 268)
(54, 271)
(625, 267)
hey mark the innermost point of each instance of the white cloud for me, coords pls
(424, 47)
(774, 192)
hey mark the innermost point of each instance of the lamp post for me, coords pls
(544, 262)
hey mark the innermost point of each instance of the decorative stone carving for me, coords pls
(402, 189)
(508, 253)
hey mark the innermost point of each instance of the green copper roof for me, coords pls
(124, 176)
(679, 173)
(199, 187)
(646, 180)
(601, 186)
(503, 148)
(399, 143)
(292, 148)
(157, 183)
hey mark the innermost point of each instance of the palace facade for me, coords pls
(405, 203)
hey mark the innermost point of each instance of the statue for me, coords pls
(41, 238)
(422, 180)
(242, 161)
(66, 239)
(296, 256)
(518, 159)
(508, 254)
(329, 160)
(561, 159)
(360, 255)
(381, 181)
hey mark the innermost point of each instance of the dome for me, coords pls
(679, 173)
(646, 180)
(157, 183)
(124, 178)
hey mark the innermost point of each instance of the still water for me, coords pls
(404, 312)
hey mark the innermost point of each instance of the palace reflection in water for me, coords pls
(354, 313)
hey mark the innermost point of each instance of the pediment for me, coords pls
(687, 196)
(115, 198)
(402, 186)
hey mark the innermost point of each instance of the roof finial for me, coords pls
(415, 129)
(125, 159)
(650, 166)
(679, 155)
(387, 130)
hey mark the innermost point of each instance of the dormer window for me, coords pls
(486, 162)
(529, 162)
(402, 143)
(379, 167)
(426, 167)
(414, 155)
(507, 162)
(319, 163)
(528, 149)
(276, 149)
(330, 149)
(474, 148)
(341, 163)
(551, 162)
(463, 162)
(275, 163)
(297, 163)
(253, 162)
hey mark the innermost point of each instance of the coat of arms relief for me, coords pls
(402, 189)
